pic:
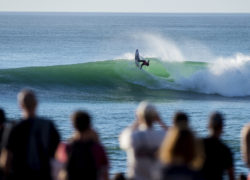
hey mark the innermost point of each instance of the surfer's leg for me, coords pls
(141, 65)
(141, 61)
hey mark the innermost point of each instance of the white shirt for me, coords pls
(141, 146)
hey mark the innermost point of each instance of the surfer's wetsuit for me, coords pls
(145, 63)
(137, 58)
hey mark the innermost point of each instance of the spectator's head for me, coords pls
(242, 177)
(216, 123)
(178, 147)
(146, 114)
(28, 102)
(181, 120)
(81, 121)
(2, 117)
(119, 176)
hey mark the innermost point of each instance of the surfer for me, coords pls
(138, 60)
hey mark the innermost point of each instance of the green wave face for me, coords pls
(111, 74)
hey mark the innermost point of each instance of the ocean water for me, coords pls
(199, 63)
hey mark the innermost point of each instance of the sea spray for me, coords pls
(157, 46)
(224, 76)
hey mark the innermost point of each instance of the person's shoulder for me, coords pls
(80, 144)
(211, 141)
(149, 137)
(19, 124)
(97, 146)
(207, 139)
(156, 133)
(43, 121)
(225, 147)
(161, 132)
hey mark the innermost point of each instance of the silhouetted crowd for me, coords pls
(31, 148)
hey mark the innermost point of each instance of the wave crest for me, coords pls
(224, 76)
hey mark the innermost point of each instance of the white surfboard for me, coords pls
(137, 58)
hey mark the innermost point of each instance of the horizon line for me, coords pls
(125, 12)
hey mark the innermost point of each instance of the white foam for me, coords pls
(224, 76)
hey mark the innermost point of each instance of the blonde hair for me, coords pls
(146, 113)
(180, 147)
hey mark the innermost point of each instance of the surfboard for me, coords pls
(137, 63)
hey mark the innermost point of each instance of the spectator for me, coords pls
(32, 143)
(219, 158)
(5, 129)
(119, 176)
(178, 153)
(141, 142)
(86, 156)
(181, 120)
(2, 122)
(242, 177)
(245, 144)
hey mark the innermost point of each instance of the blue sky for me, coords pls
(227, 6)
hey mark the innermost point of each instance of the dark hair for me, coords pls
(119, 176)
(27, 98)
(2, 116)
(242, 177)
(180, 119)
(216, 121)
(81, 120)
